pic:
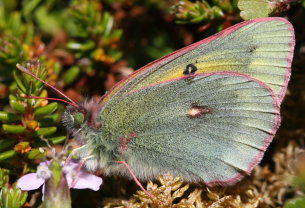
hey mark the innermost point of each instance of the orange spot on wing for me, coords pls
(125, 141)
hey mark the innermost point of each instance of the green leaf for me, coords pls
(19, 83)
(71, 75)
(48, 109)
(29, 33)
(35, 154)
(39, 84)
(57, 140)
(224, 4)
(74, 45)
(107, 23)
(14, 129)
(6, 143)
(5, 116)
(13, 86)
(7, 155)
(12, 97)
(49, 120)
(47, 22)
(251, 9)
(57, 68)
(44, 93)
(218, 13)
(17, 106)
(295, 203)
(15, 23)
(29, 6)
(4, 177)
(46, 131)
(12, 197)
(81, 46)
(198, 19)
(88, 45)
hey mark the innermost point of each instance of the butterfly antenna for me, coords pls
(47, 98)
(78, 130)
(25, 70)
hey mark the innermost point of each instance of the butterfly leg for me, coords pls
(73, 153)
(79, 168)
(135, 179)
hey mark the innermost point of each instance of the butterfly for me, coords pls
(206, 112)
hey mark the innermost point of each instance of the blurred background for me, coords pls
(84, 48)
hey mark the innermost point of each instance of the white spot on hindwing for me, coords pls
(197, 111)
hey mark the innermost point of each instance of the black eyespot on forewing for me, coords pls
(190, 69)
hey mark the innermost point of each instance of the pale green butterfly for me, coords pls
(206, 112)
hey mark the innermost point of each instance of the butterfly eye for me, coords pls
(78, 118)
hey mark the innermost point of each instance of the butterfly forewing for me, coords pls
(261, 48)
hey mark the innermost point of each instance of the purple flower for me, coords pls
(81, 179)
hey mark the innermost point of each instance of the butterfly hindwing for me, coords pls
(213, 127)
